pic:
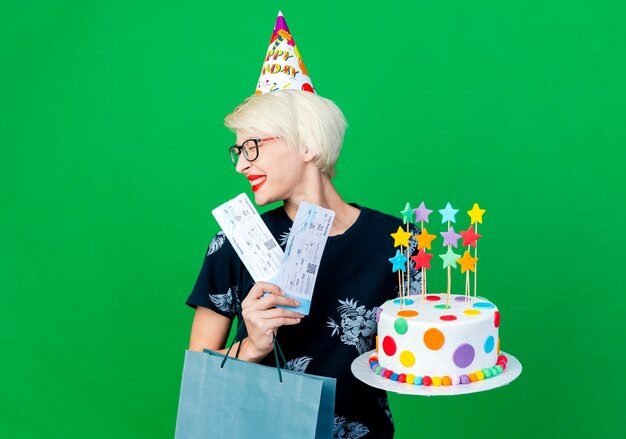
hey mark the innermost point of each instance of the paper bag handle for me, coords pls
(277, 350)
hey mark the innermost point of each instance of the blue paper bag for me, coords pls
(238, 399)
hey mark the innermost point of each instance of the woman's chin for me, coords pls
(261, 200)
(265, 195)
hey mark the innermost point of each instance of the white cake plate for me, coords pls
(361, 369)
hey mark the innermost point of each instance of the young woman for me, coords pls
(287, 148)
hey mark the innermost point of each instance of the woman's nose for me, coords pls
(242, 164)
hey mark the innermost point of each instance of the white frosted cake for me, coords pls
(423, 341)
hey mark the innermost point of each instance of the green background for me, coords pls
(113, 153)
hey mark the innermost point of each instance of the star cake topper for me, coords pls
(424, 239)
(467, 262)
(476, 214)
(401, 237)
(421, 213)
(449, 258)
(470, 237)
(407, 214)
(448, 213)
(398, 261)
(422, 260)
(450, 237)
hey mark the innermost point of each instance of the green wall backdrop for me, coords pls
(113, 153)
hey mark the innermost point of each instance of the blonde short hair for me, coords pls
(304, 120)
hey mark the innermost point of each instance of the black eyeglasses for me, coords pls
(249, 148)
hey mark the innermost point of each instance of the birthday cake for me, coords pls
(430, 343)
(437, 339)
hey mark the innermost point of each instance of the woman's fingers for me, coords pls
(270, 318)
(265, 295)
(260, 288)
(279, 312)
(272, 300)
(270, 326)
(269, 302)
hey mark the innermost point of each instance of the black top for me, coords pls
(354, 278)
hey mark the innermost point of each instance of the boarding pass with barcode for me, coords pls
(294, 270)
(250, 237)
(303, 253)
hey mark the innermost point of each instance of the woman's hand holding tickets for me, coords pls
(263, 318)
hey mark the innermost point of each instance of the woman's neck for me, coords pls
(321, 192)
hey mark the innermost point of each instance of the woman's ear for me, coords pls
(307, 155)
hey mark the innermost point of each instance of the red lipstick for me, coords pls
(257, 181)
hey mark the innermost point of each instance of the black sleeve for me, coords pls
(223, 280)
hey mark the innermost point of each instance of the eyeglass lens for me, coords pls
(249, 148)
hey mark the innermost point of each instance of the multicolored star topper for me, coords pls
(448, 213)
(424, 239)
(470, 237)
(421, 213)
(283, 68)
(401, 238)
(476, 214)
(450, 237)
(398, 261)
(449, 258)
(467, 262)
(422, 260)
(407, 214)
